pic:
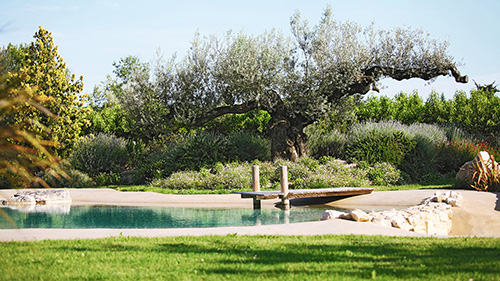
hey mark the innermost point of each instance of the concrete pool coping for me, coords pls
(479, 216)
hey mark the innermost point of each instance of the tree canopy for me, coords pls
(42, 71)
(296, 80)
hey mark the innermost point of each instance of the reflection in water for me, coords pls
(147, 217)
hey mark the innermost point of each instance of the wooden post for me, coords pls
(255, 178)
(285, 202)
(256, 186)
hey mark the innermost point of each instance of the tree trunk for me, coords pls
(288, 140)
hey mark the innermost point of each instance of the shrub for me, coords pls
(383, 174)
(73, 178)
(101, 153)
(336, 173)
(185, 180)
(197, 151)
(247, 147)
(325, 144)
(310, 173)
(380, 146)
(110, 178)
(207, 149)
(454, 154)
(304, 174)
(420, 163)
(233, 176)
(456, 133)
(153, 165)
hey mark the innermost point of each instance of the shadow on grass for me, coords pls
(353, 257)
(317, 256)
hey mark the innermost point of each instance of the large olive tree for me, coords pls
(296, 80)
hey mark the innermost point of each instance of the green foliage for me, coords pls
(454, 154)
(186, 180)
(129, 103)
(101, 153)
(155, 164)
(22, 153)
(322, 143)
(414, 149)
(375, 146)
(208, 149)
(107, 178)
(74, 178)
(198, 151)
(307, 173)
(39, 66)
(384, 174)
(420, 163)
(254, 121)
(247, 147)
(478, 114)
(111, 120)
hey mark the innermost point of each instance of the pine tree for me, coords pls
(39, 68)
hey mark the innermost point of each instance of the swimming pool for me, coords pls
(69, 217)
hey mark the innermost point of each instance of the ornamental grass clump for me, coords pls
(486, 175)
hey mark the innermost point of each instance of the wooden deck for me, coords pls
(303, 193)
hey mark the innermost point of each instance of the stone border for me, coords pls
(433, 216)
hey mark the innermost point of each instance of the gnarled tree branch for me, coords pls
(366, 82)
(230, 109)
(422, 73)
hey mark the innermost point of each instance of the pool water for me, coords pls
(153, 217)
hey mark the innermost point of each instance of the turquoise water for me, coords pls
(148, 217)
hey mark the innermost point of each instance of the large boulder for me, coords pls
(34, 197)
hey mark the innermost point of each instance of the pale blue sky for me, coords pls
(91, 34)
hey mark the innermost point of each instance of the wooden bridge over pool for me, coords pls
(285, 194)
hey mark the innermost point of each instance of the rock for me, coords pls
(400, 222)
(381, 221)
(332, 214)
(346, 216)
(49, 196)
(451, 198)
(360, 216)
(21, 199)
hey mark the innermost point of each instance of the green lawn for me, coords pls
(253, 258)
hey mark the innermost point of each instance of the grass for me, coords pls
(447, 183)
(186, 191)
(234, 257)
